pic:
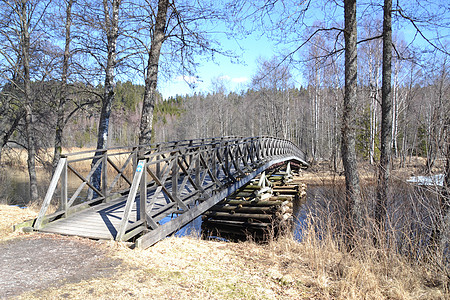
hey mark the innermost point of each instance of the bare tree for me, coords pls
(151, 79)
(353, 192)
(181, 28)
(369, 67)
(21, 15)
(386, 117)
(111, 17)
(445, 198)
(272, 82)
(60, 122)
(109, 29)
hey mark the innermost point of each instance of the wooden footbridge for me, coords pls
(149, 192)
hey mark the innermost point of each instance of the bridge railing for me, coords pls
(189, 163)
(113, 169)
(190, 178)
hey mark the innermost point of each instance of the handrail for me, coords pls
(227, 164)
(224, 160)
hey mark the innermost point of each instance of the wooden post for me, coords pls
(50, 192)
(197, 169)
(299, 199)
(135, 157)
(158, 164)
(225, 159)
(105, 174)
(143, 195)
(64, 188)
(131, 198)
(175, 176)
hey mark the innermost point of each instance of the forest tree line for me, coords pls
(310, 116)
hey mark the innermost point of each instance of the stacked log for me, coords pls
(254, 211)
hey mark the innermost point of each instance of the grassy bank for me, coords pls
(11, 215)
(189, 268)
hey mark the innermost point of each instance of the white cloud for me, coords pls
(239, 79)
(224, 78)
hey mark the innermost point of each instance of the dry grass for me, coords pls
(186, 268)
(11, 215)
(321, 173)
(366, 272)
(189, 268)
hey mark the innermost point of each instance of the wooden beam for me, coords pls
(131, 198)
(50, 192)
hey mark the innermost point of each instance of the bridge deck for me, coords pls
(97, 222)
(103, 220)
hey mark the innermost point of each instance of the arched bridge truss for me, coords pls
(149, 192)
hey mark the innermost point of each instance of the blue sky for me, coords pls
(236, 75)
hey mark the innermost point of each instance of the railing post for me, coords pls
(225, 158)
(143, 193)
(215, 162)
(175, 175)
(50, 192)
(64, 189)
(140, 169)
(135, 156)
(158, 164)
(197, 170)
(105, 174)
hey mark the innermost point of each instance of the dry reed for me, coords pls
(10, 216)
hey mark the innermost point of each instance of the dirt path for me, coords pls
(42, 261)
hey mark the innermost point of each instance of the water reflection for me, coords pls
(15, 186)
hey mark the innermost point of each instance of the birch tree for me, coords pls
(64, 77)
(151, 78)
(94, 46)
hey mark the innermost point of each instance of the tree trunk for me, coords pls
(445, 197)
(6, 136)
(29, 117)
(151, 79)
(63, 97)
(112, 29)
(386, 119)
(353, 194)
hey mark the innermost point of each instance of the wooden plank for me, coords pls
(100, 234)
(131, 198)
(64, 187)
(50, 192)
(98, 228)
(84, 234)
(239, 216)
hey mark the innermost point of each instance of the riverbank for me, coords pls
(321, 173)
(190, 268)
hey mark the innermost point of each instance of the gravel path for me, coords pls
(42, 261)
